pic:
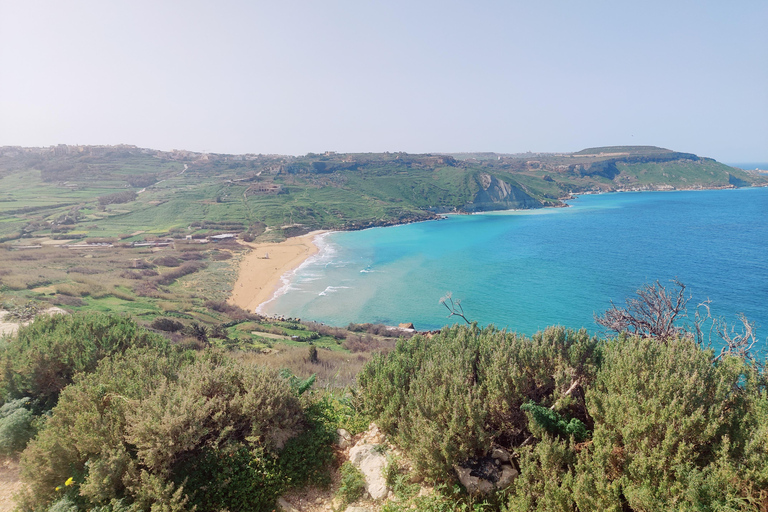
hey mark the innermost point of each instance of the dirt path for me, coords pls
(9, 484)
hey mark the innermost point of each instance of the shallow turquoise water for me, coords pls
(527, 270)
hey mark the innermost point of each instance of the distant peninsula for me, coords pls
(128, 193)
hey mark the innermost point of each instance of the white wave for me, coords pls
(325, 250)
(331, 289)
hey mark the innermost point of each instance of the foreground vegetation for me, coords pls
(625, 424)
(117, 417)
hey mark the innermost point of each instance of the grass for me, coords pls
(335, 369)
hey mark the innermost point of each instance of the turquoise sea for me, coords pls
(525, 270)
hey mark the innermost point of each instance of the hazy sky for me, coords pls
(420, 76)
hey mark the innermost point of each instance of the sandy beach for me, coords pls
(259, 277)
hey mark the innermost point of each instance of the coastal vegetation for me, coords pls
(127, 419)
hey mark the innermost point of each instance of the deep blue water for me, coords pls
(527, 270)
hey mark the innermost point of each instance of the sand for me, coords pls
(259, 277)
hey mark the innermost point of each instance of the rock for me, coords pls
(367, 456)
(284, 506)
(371, 463)
(500, 454)
(344, 439)
(372, 436)
(508, 474)
(357, 509)
(473, 484)
(408, 325)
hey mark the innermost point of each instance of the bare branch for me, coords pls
(454, 307)
(652, 314)
(739, 343)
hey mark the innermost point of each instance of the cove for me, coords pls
(525, 270)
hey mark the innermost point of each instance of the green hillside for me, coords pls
(75, 192)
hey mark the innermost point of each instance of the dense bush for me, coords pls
(44, 356)
(156, 430)
(625, 424)
(118, 198)
(671, 427)
(16, 426)
(166, 324)
(451, 397)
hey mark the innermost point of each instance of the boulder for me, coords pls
(500, 454)
(483, 475)
(367, 456)
(371, 464)
(473, 484)
(407, 325)
(508, 474)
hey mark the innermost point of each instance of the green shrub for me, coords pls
(44, 356)
(166, 324)
(449, 398)
(149, 429)
(84, 435)
(671, 427)
(231, 478)
(553, 423)
(352, 485)
(16, 426)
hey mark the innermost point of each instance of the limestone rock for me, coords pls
(473, 484)
(367, 457)
(508, 474)
(500, 454)
(371, 464)
(344, 439)
(357, 509)
(407, 325)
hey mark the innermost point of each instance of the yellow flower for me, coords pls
(70, 481)
(58, 488)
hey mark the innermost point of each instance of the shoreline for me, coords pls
(259, 277)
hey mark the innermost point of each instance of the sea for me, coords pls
(526, 270)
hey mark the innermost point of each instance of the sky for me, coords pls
(292, 77)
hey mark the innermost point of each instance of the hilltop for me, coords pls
(119, 191)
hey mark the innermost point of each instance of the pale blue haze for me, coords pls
(527, 270)
(294, 76)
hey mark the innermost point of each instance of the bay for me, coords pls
(525, 270)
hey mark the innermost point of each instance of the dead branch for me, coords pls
(737, 343)
(652, 314)
(453, 306)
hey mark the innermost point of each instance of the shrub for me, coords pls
(671, 427)
(449, 398)
(167, 261)
(166, 324)
(118, 198)
(45, 355)
(352, 485)
(151, 429)
(16, 426)
(66, 300)
(186, 269)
